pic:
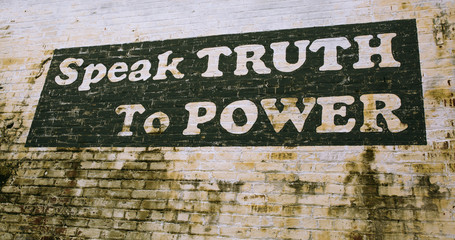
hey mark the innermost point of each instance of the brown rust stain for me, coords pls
(45, 208)
(254, 197)
(355, 236)
(73, 174)
(367, 196)
(48, 52)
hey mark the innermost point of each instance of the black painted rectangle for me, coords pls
(67, 117)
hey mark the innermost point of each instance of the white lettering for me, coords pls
(143, 73)
(227, 121)
(69, 72)
(329, 112)
(384, 50)
(370, 113)
(164, 123)
(118, 67)
(290, 112)
(330, 46)
(163, 67)
(213, 60)
(129, 111)
(88, 76)
(242, 59)
(279, 55)
(194, 119)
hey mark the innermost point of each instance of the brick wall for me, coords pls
(181, 192)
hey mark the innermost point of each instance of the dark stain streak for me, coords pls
(433, 189)
(215, 199)
(225, 186)
(442, 29)
(7, 169)
(432, 193)
(297, 185)
(5, 34)
(301, 187)
(195, 183)
(41, 67)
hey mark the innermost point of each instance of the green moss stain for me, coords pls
(7, 169)
(432, 194)
(5, 173)
(384, 213)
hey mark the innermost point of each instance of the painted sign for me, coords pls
(338, 85)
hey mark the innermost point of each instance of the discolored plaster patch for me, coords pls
(6, 63)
